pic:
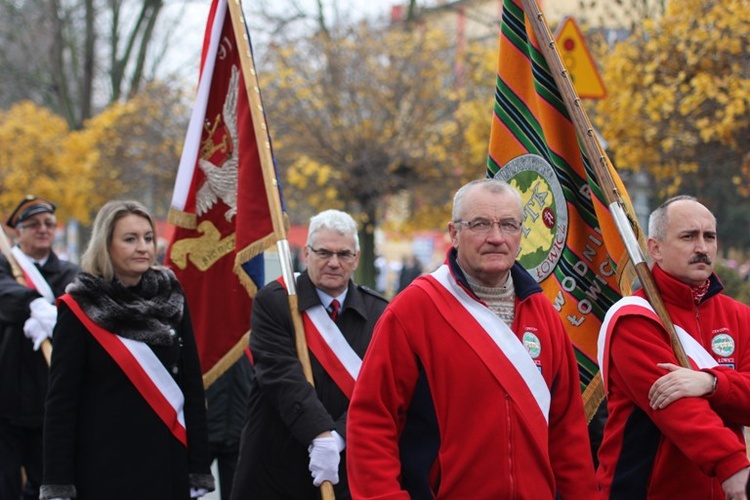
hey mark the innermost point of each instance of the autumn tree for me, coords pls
(679, 92)
(625, 14)
(129, 150)
(360, 114)
(138, 144)
(77, 56)
(39, 155)
(465, 140)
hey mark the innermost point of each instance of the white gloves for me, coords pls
(197, 492)
(325, 457)
(41, 322)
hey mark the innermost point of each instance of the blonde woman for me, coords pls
(125, 413)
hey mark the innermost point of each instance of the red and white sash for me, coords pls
(503, 337)
(34, 278)
(326, 341)
(144, 369)
(640, 306)
(328, 344)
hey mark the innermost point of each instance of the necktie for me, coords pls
(335, 305)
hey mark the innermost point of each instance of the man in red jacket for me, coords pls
(676, 432)
(470, 387)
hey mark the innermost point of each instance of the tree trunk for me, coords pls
(366, 269)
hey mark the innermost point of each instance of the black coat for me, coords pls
(285, 413)
(227, 405)
(100, 434)
(23, 371)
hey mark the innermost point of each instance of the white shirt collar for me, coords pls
(326, 299)
(42, 261)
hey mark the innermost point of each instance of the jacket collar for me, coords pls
(523, 283)
(676, 292)
(52, 265)
(308, 297)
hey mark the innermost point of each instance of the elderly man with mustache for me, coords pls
(676, 432)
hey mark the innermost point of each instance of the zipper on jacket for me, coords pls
(696, 310)
(509, 419)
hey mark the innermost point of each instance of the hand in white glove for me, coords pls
(197, 492)
(34, 330)
(44, 312)
(324, 460)
(39, 326)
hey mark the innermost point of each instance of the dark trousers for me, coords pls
(226, 460)
(20, 447)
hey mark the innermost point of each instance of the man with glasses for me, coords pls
(294, 435)
(470, 387)
(27, 317)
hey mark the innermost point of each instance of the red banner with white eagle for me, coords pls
(220, 205)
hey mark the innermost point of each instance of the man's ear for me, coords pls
(453, 232)
(654, 249)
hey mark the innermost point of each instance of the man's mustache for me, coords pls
(700, 258)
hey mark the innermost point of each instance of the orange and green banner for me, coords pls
(571, 244)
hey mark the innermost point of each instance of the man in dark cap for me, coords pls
(27, 316)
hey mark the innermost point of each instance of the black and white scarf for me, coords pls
(148, 312)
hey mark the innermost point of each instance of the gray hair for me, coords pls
(335, 220)
(96, 260)
(496, 186)
(659, 218)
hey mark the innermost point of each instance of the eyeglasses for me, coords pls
(343, 256)
(35, 225)
(484, 226)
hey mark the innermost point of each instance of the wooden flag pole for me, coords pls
(601, 165)
(18, 275)
(252, 87)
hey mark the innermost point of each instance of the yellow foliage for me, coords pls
(307, 172)
(39, 155)
(121, 150)
(679, 86)
(370, 113)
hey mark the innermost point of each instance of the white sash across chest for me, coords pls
(692, 348)
(38, 282)
(334, 339)
(502, 336)
(145, 371)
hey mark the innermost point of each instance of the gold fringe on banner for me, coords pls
(593, 396)
(226, 361)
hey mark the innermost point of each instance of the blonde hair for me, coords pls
(96, 259)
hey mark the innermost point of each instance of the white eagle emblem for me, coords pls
(221, 180)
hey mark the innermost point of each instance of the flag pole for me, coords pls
(601, 165)
(252, 87)
(20, 279)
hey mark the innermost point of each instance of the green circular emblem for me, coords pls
(532, 345)
(722, 345)
(545, 212)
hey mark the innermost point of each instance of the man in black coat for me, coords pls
(225, 414)
(293, 438)
(27, 316)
